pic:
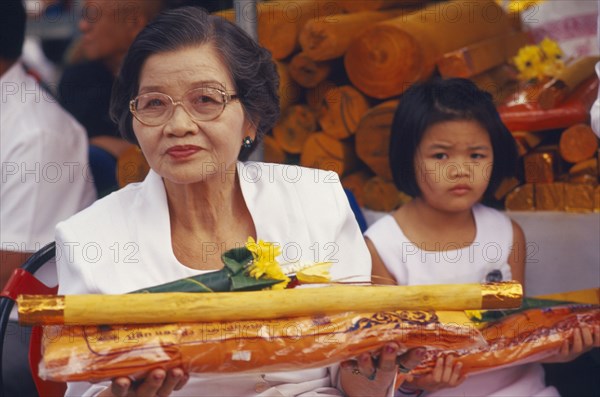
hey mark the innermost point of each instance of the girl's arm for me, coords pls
(516, 258)
(379, 273)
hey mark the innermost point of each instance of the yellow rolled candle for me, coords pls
(152, 308)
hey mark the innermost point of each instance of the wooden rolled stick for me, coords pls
(506, 186)
(261, 305)
(228, 14)
(315, 96)
(527, 141)
(293, 128)
(373, 138)
(382, 195)
(500, 82)
(324, 39)
(356, 182)
(289, 91)
(273, 153)
(587, 167)
(280, 22)
(341, 111)
(372, 5)
(391, 55)
(578, 143)
(307, 72)
(558, 89)
(481, 56)
(327, 153)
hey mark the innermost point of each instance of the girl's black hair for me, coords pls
(438, 100)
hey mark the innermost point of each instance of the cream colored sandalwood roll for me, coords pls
(341, 111)
(293, 128)
(372, 5)
(373, 138)
(391, 55)
(172, 307)
(327, 153)
(289, 91)
(280, 22)
(273, 153)
(483, 55)
(328, 38)
(382, 195)
(307, 72)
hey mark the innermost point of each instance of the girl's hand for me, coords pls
(158, 383)
(446, 373)
(584, 339)
(369, 376)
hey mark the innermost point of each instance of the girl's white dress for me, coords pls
(486, 258)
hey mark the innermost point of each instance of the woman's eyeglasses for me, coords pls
(202, 104)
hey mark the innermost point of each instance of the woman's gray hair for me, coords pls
(251, 67)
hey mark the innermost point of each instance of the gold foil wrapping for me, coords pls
(41, 309)
(262, 305)
(521, 199)
(539, 167)
(579, 197)
(550, 196)
(501, 295)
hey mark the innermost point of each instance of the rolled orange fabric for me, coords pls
(98, 353)
(527, 336)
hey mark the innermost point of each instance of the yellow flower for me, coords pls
(519, 5)
(262, 250)
(553, 57)
(529, 62)
(264, 263)
(316, 273)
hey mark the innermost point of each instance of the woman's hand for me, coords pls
(158, 383)
(584, 339)
(369, 376)
(446, 373)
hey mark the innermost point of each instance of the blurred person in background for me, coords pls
(108, 28)
(44, 176)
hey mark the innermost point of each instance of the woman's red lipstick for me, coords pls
(182, 151)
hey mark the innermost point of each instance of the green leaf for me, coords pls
(242, 282)
(218, 281)
(237, 259)
(528, 303)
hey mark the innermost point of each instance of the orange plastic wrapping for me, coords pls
(519, 338)
(526, 114)
(76, 353)
(98, 353)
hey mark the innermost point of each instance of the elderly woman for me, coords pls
(196, 94)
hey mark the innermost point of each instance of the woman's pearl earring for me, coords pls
(247, 142)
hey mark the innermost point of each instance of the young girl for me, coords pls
(449, 150)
